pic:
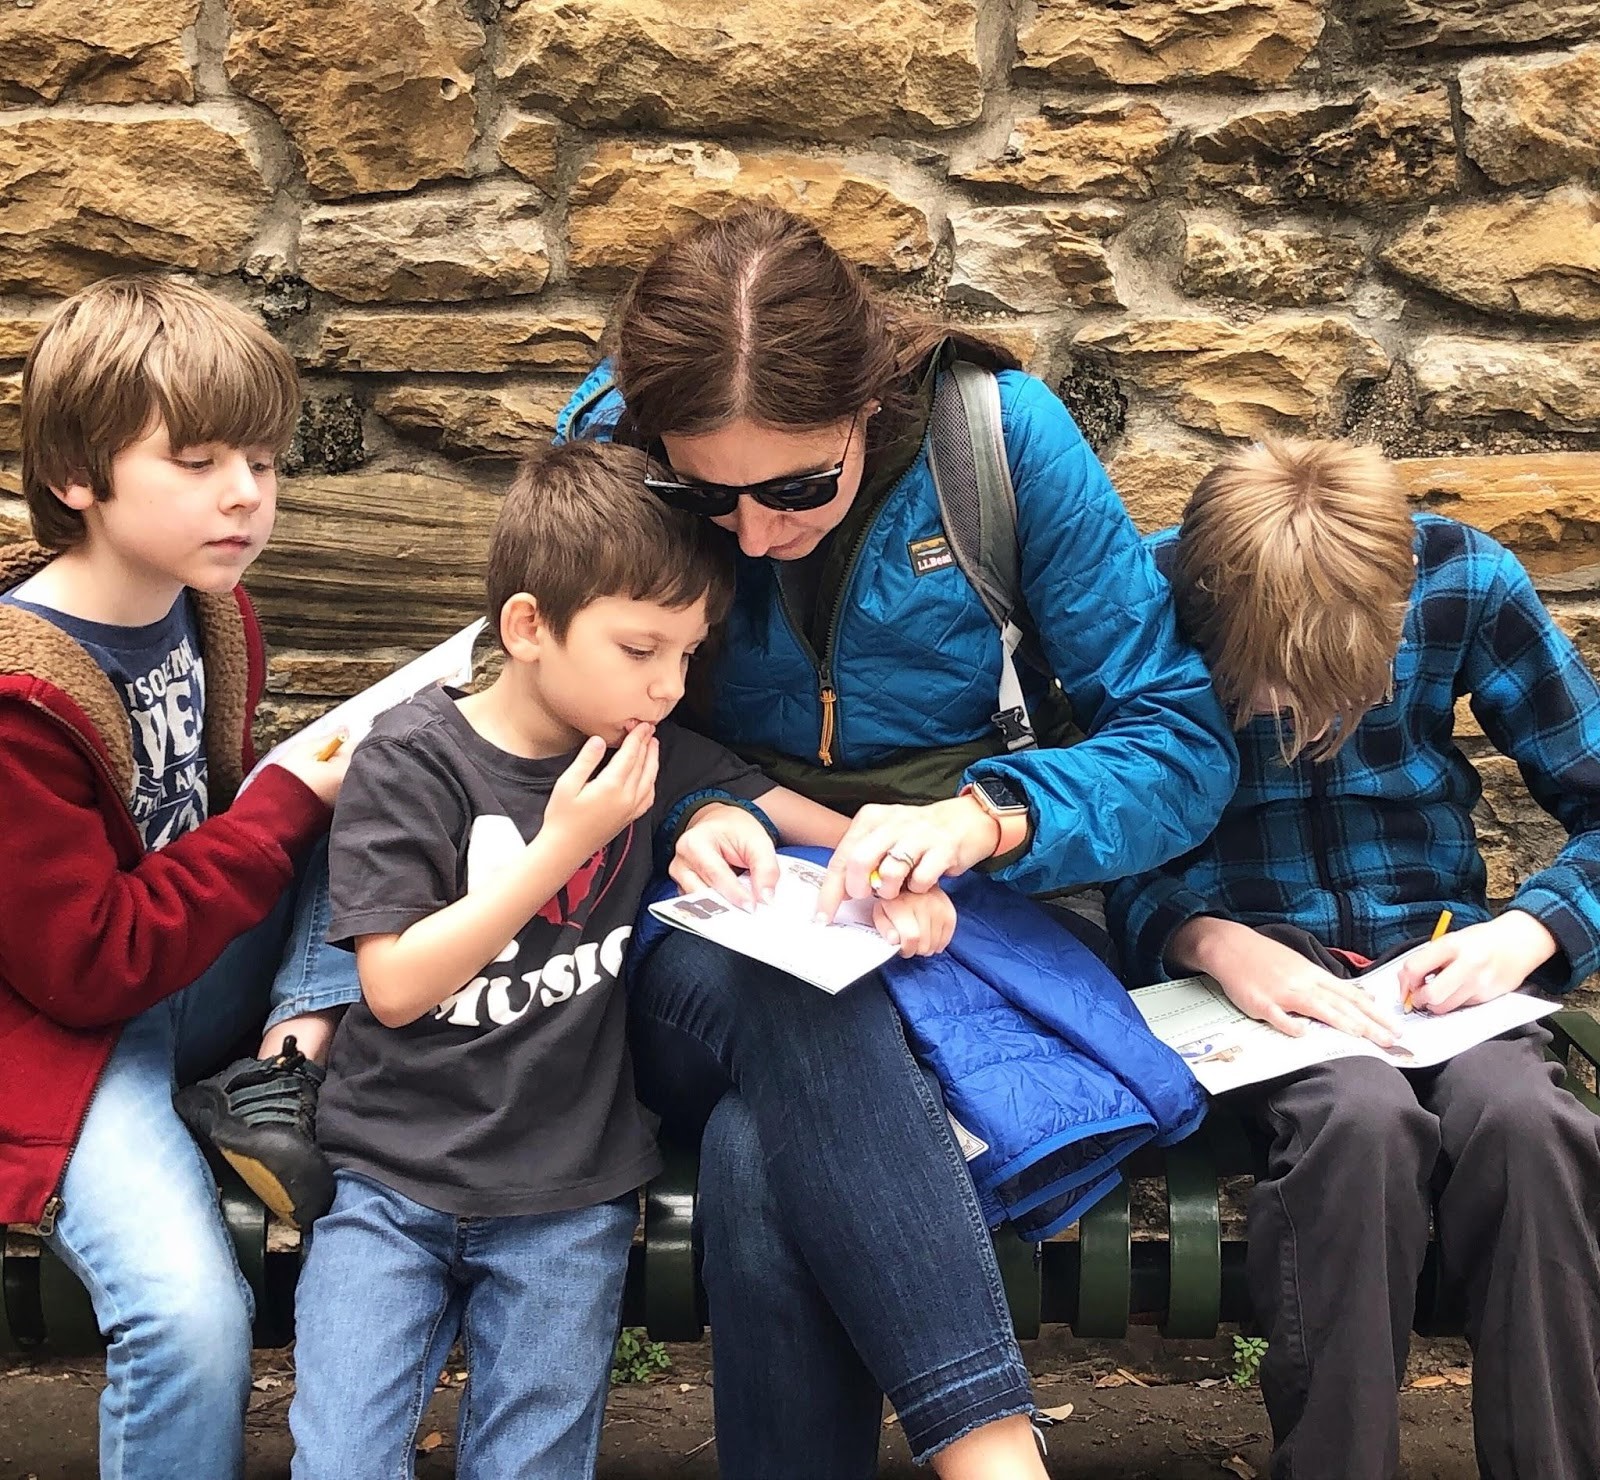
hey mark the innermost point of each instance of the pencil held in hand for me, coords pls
(1440, 926)
(329, 748)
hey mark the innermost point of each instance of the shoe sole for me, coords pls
(262, 1181)
(203, 1111)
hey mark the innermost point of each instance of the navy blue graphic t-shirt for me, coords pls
(160, 678)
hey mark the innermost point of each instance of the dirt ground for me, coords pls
(1141, 1410)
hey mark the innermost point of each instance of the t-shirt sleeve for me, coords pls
(393, 855)
(690, 763)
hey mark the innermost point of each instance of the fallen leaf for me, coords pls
(429, 1442)
(891, 1420)
(1458, 1376)
(687, 1387)
(1209, 1382)
(266, 1384)
(1128, 1376)
(1111, 1380)
(1236, 1464)
(459, 1376)
(1431, 1382)
(1058, 1414)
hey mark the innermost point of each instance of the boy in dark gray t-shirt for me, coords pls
(489, 853)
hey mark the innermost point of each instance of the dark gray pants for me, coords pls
(1361, 1153)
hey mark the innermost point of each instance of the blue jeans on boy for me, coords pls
(140, 1223)
(845, 1254)
(389, 1285)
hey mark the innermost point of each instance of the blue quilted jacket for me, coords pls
(1040, 1055)
(911, 660)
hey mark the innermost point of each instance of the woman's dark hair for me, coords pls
(753, 315)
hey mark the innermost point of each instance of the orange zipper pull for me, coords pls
(825, 746)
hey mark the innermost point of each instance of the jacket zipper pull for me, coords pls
(825, 745)
(47, 1219)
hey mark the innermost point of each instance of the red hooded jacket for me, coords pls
(93, 928)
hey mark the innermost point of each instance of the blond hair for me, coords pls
(1293, 573)
(127, 352)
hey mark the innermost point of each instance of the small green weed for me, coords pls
(637, 1358)
(1247, 1354)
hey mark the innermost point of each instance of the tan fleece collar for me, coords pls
(35, 647)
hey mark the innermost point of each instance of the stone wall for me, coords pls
(1198, 221)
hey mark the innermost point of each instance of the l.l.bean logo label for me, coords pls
(930, 555)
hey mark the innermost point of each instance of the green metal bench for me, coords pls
(1099, 1284)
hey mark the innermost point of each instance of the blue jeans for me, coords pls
(140, 1224)
(387, 1287)
(845, 1255)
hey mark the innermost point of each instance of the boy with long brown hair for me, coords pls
(143, 909)
(1340, 630)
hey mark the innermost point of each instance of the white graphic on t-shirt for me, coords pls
(166, 707)
(494, 844)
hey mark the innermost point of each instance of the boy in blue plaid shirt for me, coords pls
(1340, 630)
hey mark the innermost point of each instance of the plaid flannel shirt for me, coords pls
(1363, 851)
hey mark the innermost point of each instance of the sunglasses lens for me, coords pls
(798, 494)
(690, 498)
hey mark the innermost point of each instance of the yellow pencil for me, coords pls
(1440, 926)
(327, 751)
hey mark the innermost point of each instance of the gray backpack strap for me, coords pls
(967, 455)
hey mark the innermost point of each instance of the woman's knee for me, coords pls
(196, 1330)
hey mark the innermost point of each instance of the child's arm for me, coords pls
(721, 838)
(1271, 982)
(408, 973)
(1539, 704)
(90, 942)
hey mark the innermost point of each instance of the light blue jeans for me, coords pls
(140, 1223)
(389, 1285)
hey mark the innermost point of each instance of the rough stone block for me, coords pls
(376, 96)
(475, 343)
(1113, 151)
(1278, 374)
(1547, 385)
(84, 197)
(1525, 258)
(825, 69)
(1533, 118)
(1142, 42)
(1292, 269)
(447, 246)
(1369, 155)
(97, 51)
(630, 199)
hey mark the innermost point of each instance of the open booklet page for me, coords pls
(449, 663)
(1227, 1050)
(785, 933)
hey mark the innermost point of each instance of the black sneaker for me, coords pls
(261, 1115)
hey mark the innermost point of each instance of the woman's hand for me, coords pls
(908, 848)
(1274, 984)
(920, 924)
(1476, 964)
(718, 840)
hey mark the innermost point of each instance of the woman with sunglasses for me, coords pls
(845, 1254)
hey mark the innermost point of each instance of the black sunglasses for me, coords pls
(791, 495)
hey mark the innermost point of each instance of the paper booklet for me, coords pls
(449, 663)
(1227, 1050)
(785, 933)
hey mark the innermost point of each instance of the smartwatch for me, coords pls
(1004, 801)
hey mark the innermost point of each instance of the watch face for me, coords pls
(1001, 794)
